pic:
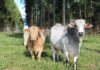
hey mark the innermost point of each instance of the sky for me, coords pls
(21, 6)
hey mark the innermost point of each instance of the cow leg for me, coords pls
(32, 55)
(75, 62)
(30, 49)
(65, 51)
(66, 58)
(26, 36)
(76, 51)
(57, 55)
(53, 53)
(39, 55)
(27, 47)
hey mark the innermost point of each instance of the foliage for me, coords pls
(48, 11)
(9, 14)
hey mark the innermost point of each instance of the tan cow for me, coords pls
(35, 41)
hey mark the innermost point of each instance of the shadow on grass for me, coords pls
(44, 54)
(88, 41)
(27, 54)
(16, 35)
(96, 50)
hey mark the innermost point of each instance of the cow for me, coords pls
(34, 41)
(26, 36)
(68, 38)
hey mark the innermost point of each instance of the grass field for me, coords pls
(14, 56)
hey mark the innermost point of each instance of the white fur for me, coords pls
(26, 36)
(80, 23)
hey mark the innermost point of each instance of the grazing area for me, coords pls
(14, 56)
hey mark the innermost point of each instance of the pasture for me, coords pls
(14, 56)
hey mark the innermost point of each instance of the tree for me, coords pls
(2, 11)
(54, 1)
(10, 14)
(63, 13)
(30, 8)
(55, 11)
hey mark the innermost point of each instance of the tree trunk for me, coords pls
(54, 12)
(42, 20)
(80, 11)
(63, 12)
(85, 7)
(29, 11)
(31, 19)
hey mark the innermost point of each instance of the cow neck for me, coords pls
(73, 34)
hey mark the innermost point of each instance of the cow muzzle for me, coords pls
(81, 34)
(33, 38)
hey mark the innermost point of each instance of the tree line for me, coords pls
(9, 15)
(49, 12)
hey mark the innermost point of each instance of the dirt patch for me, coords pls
(92, 65)
(10, 68)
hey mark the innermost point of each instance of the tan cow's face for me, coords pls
(34, 32)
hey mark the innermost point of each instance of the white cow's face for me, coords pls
(80, 24)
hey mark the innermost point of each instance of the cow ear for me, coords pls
(71, 25)
(88, 26)
(39, 31)
(26, 30)
(42, 30)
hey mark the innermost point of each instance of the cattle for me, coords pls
(26, 36)
(34, 41)
(68, 38)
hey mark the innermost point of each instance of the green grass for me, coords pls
(14, 56)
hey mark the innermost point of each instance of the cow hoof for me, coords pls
(39, 60)
(27, 47)
(66, 62)
(32, 57)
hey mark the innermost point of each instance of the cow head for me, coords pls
(35, 32)
(80, 25)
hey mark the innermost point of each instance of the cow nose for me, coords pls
(80, 33)
(34, 38)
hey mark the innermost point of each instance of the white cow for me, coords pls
(68, 39)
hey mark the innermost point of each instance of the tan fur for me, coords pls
(35, 41)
